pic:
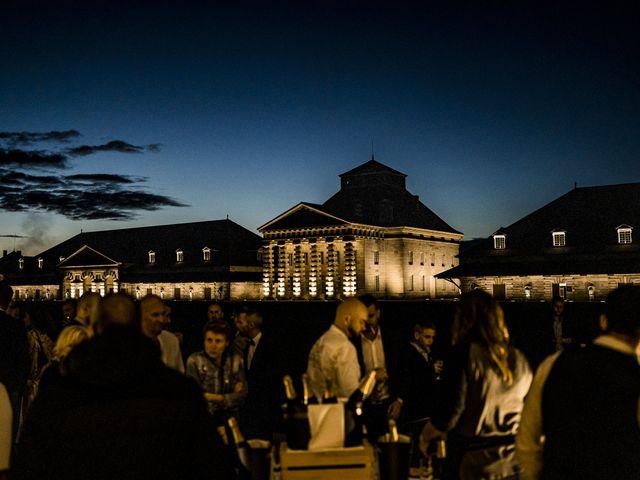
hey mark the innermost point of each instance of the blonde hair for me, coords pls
(68, 339)
(479, 318)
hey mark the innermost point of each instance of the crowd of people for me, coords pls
(112, 396)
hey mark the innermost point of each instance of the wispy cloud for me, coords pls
(27, 138)
(25, 159)
(83, 196)
(112, 146)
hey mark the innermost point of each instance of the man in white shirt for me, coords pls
(333, 361)
(154, 318)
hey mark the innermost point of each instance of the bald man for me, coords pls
(154, 319)
(333, 361)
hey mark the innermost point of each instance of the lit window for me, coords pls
(40, 263)
(410, 258)
(376, 258)
(179, 255)
(558, 239)
(411, 283)
(21, 263)
(624, 235)
(206, 254)
(377, 283)
(152, 256)
(421, 258)
(499, 242)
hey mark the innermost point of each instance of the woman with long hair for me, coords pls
(482, 394)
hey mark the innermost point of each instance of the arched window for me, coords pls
(179, 255)
(206, 254)
(152, 257)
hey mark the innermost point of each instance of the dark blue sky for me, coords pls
(491, 110)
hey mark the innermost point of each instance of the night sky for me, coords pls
(172, 112)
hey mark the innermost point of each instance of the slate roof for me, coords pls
(230, 245)
(589, 216)
(375, 194)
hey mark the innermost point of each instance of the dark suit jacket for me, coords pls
(261, 409)
(14, 354)
(390, 345)
(416, 385)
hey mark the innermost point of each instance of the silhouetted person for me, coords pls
(580, 419)
(119, 412)
(14, 355)
(154, 319)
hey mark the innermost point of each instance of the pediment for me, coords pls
(303, 216)
(86, 256)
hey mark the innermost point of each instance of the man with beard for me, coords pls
(333, 360)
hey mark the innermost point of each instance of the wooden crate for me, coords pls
(355, 463)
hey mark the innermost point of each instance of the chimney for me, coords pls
(4, 253)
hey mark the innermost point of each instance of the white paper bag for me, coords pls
(326, 422)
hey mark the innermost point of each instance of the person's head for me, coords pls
(217, 335)
(248, 321)
(154, 315)
(479, 318)
(14, 310)
(6, 294)
(88, 308)
(68, 310)
(373, 311)
(39, 318)
(68, 339)
(424, 333)
(116, 309)
(622, 312)
(557, 306)
(215, 312)
(351, 316)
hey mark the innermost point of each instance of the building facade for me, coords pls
(372, 236)
(189, 261)
(580, 247)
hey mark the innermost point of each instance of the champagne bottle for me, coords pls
(393, 431)
(329, 395)
(353, 411)
(242, 449)
(307, 398)
(297, 427)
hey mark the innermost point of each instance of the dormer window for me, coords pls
(499, 242)
(40, 263)
(21, 263)
(624, 234)
(206, 254)
(152, 257)
(559, 239)
(179, 255)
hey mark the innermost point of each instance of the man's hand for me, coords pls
(381, 374)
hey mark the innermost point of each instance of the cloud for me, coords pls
(85, 196)
(104, 177)
(27, 138)
(23, 158)
(154, 147)
(113, 146)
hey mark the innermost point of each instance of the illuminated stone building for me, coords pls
(580, 246)
(372, 236)
(188, 261)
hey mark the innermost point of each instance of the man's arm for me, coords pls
(530, 437)
(348, 370)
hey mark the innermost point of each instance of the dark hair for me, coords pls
(557, 298)
(219, 327)
(622, 309)
(421, 325)
(368, 300)
(41, 319)
(6, 294)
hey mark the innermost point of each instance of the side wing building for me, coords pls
(580, 246)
